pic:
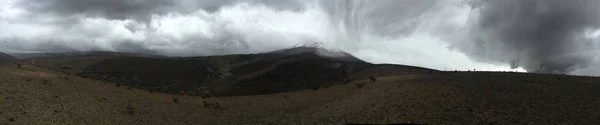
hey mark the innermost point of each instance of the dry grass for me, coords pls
(458, 98)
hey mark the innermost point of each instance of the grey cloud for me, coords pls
(110, 9)
(539, 35)
(382, 17)
(141, 9)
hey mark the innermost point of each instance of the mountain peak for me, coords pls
(311, 45)
(318, 49)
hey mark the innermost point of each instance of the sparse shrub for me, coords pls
(175, 100)
(211, 104)
(372, 79)
(118, 84)
(182, 93)
(19, 66)
(45, 81)
(206, 104)
(347, 81)
(128, 87)
(65, 78)
(191, 93)
(130, 109)
(285, 97)
(316, 88)
(205, 95)
(361, 85)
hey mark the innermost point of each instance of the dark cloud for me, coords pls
(110, 9)
(382, 17)
(141, 9)
(538, 35)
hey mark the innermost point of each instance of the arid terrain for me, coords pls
(281, 88)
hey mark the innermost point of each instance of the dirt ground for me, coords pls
(34, 95)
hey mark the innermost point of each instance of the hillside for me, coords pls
(4, 56)
(35, 95)
(281, 87)
(284, 70)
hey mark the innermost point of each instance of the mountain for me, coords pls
(276, 88)
(4, 56)
(285, 70)
(400, 94)
(320, 51)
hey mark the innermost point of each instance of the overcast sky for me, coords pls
(549, 36)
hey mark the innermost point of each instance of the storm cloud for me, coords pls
(547, 36)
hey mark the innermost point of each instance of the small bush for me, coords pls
(130, 109)
(45, 81)
(211, 104)
(361, 85)
(206, 104)
(347, 81)
(118, 84)
(175, 100)
(65, 78)
(316, 88)
(372, 79)
(191, 93)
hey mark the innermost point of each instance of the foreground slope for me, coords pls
(34, 95)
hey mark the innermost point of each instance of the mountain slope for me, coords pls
(225, 75)
(278, 71)
(4, 56)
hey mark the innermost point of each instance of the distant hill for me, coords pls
(226, 75)
(4, 56)
(285, 70)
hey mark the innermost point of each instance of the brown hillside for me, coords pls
(33, 95)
